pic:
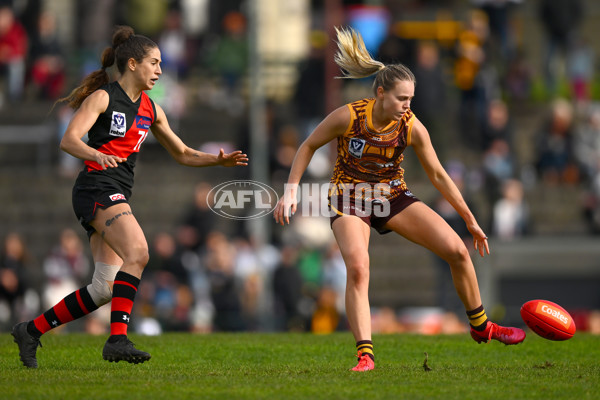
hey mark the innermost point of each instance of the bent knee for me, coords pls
(457, 254)
(138, 256)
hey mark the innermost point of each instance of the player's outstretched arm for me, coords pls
(421, 144)
(187, 156)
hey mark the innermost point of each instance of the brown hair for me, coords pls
(125, 45)
(356, 62)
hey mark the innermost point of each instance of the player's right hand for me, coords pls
(108, 160)
(286, 206)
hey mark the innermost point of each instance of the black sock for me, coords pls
(33, 331)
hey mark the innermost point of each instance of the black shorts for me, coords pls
(88, 197)
(375, 214)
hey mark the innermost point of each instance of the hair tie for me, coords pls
(130, 36)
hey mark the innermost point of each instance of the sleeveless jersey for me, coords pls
(120, 131)
(368, 156)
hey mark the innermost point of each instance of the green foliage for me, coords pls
(305, 366)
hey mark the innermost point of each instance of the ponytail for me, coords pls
(352, 56)
(356, 62)
(125, 45)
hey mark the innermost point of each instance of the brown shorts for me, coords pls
(375, 213)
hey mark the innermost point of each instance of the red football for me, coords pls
(548, 319)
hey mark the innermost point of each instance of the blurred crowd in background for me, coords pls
(201, 279)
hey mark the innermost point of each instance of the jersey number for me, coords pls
(143, 135)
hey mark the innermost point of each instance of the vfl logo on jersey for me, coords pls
(356, 147)
(142, 122)
(117, 124)
(117, 196)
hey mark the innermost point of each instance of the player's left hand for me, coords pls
(480, 240)
(234, 159)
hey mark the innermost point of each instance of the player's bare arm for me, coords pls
(185, 155)
(333, 126)
(80, 124)
(421, 143)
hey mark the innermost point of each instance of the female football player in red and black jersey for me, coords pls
(117, 117)
(368, 190)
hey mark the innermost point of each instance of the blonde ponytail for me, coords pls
(352, 56)
(356, 62)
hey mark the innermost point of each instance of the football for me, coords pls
(548, 319)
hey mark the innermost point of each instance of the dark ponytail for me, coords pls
(125, 45)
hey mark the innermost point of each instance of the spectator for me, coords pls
(470, 61)
(581, 67)
(219, 259)
(498, 166)
(199, 219)
(587, 143)
(167, 258)
(48, 64)
(430, 93)
(591, 206)
(13, 51)
(173, 268)
(499, 16)
(395, 49)
(287, 289)
(172, 41)
(587, 153)
(497, 125)
(309, 95)
(251, 294)
(555, 157)
(94, 23)
(518, 77)
(560, 20)
(284, 152)
(172, 302)
(510, 213)
(325, 318)
(14, 265)
(334, 275)
(68, 166)
(228, 60)
(66, 268)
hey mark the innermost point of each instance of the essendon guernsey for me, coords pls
(120, 131)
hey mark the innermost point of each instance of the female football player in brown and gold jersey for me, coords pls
(368, 190)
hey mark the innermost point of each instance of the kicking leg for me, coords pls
(76, 305)
(422, 225)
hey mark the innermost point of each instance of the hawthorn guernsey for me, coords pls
(548, 319)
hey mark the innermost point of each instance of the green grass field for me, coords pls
(304, 366)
